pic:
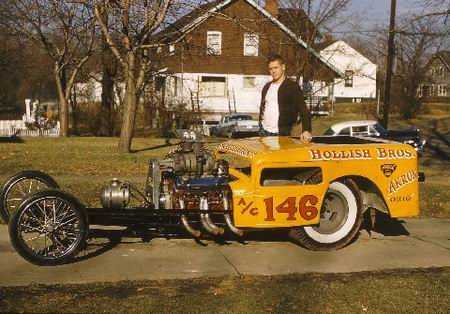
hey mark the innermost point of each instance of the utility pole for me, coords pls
(390, 59)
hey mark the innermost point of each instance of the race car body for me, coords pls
(287, 180)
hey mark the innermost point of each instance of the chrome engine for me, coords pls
(189, 178)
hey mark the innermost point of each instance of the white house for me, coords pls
(360, 80)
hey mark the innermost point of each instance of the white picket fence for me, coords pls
(18, 127)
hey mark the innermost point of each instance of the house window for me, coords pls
(442, 90)
(159, 83)
(349, 78)
(212, 86)
(214, 43)
(249, 82)
(175, 86)
(171, 49)
(251, 44)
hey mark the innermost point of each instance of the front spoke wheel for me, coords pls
(48, 228)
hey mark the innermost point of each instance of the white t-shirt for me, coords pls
(271, 112)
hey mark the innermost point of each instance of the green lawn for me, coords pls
(82, 165)
(397, 291)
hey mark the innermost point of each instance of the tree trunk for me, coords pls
(63, 103)
(106, 127)
(106, 123)
(74, 106)
(129, 114)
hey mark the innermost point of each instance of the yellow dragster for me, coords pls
(317, 191)
(320, 190)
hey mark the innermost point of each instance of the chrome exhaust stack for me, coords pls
(206, 220)
(228, 220)
(195, 233)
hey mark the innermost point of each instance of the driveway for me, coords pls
(115, 259)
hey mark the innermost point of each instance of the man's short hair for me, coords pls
(275, 57)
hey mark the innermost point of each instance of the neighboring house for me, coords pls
(89, 91)
(217, 56)
(437, 85)
(27, 124)
(360, 81)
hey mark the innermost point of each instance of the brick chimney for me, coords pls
(272, 7)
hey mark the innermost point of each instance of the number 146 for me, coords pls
(306, 208)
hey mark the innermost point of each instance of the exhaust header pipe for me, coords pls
(195, 233)
(206, 220)
(228, 220)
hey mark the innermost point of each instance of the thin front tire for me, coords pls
(20, 186)
(49, 228)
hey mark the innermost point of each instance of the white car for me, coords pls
(372, 128)
(237, 125)
(205, 127)
(356, 128)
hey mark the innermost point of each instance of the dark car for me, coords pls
(371, 128)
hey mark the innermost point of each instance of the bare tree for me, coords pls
(307, 19)
(418, 40)
(109, 73)
(65, 31)
(435, 8)
(132, 25)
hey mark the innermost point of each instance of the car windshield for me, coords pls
(329, 132)
(241, 118)
(380, 129)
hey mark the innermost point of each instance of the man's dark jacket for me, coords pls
(291, 107)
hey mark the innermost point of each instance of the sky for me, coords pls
(378, 11)
(369, 15)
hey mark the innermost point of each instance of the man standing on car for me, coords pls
(282, 104)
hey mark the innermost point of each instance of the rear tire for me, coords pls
(19, 187)
(49, 228)
(340, 219)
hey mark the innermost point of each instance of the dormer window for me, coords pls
(349, 78)
(214, 43)
(251, 44)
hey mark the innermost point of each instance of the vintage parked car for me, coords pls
(317, 192)
(205, 127)
(371, 128)
(237, 125)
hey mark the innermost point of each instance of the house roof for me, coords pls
(333, 45)
(297, 20)
(324, 44)
(175, 32)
